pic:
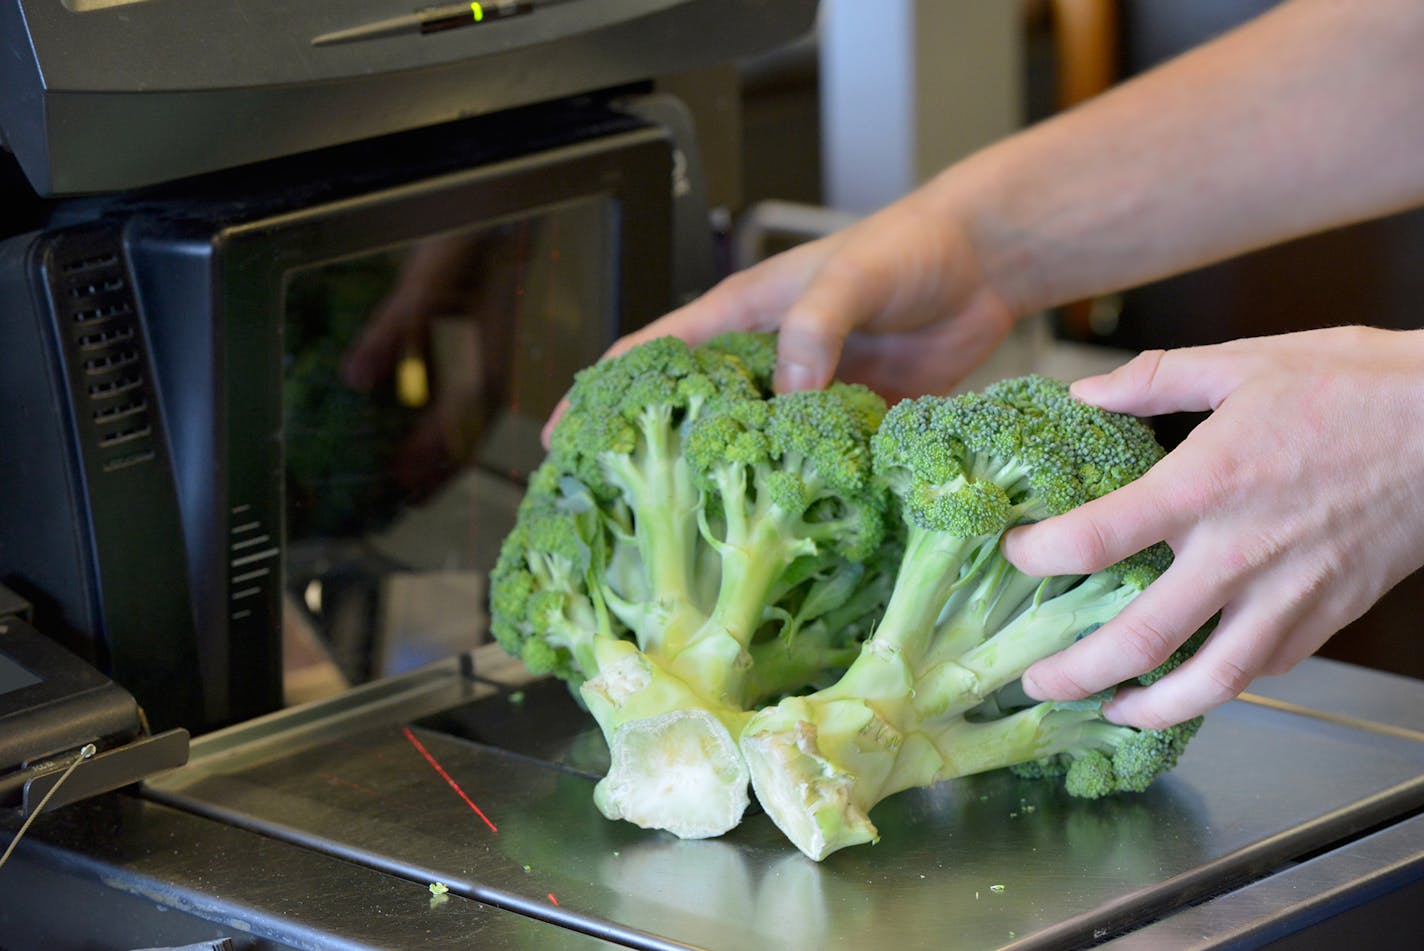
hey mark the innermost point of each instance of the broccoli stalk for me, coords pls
(962, 624)
(791, 484)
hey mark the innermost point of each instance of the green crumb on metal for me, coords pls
(528, 868)
(996, 889)
(438, 888)
(517, 697)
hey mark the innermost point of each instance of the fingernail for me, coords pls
(1031, 686)
(1111, 714)
(793, 376)
(1083, 389)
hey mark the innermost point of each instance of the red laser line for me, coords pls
(553, 899)
(446, 776)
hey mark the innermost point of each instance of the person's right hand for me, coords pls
(897, 301)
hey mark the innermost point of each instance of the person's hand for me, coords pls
(897, 301)
(1291, 509)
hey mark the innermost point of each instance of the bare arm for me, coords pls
(1309, 117)
(1302, 119)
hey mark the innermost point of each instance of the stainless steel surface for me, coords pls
(1388, 865)
(989, 862)
(121, 873)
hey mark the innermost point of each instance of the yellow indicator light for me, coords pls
(478, 11)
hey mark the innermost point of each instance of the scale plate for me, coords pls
(992, 860)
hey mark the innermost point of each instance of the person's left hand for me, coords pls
(1291, 509)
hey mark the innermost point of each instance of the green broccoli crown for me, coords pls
(736, 435)
(542, 572)
(1101, 451)
(1144, 755)
(1101, 758)
(648, 393)
(963, 464)
(807, 452)
(827, 434)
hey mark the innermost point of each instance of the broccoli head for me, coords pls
(934, 692)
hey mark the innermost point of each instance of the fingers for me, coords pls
(1099, 533)
(1138, 640)
(753, 300)
(812, 335)
(1165, 381)
(1252, 639)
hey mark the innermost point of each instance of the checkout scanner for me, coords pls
(214, 205)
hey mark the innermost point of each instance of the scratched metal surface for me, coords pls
(986, 862)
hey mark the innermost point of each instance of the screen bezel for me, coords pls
(631, 169)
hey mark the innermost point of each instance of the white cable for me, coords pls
(84, 753)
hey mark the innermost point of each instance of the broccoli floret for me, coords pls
(686, 527)
(790, 484)
(934, 693)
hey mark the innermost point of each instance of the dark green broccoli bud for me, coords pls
(1105, 450)
(1096, 758)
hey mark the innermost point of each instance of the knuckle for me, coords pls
(1068, 685)
(1089, 546)
(1227, 679)
(1059, 683)
(1250, 554)
(1145, 643)
(1207, 490)
(1142, 369)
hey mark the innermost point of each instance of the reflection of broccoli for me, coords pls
(339, 444)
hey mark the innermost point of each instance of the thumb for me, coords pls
(1192, 379)
(813, 333)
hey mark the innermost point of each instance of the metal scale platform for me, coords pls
(1294, 810)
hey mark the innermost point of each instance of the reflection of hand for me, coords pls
(450, 276)
(897, 301)
(433, 281)
(1291, 509)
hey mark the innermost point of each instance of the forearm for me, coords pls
(1310, 117)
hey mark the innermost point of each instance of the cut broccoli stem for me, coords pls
(674, 760)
